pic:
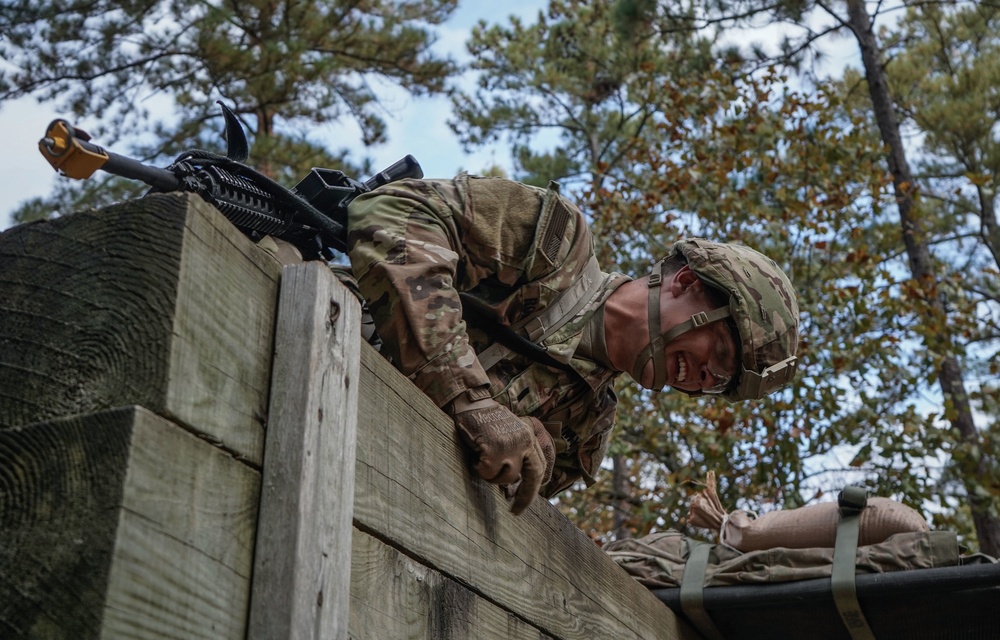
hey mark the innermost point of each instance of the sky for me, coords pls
(417, 126)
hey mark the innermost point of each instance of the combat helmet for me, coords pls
(762, 308)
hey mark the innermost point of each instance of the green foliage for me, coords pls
(285, 67)
(945, 72)
(741, 158)
(633, 16)
(571, 78)
(802, 177)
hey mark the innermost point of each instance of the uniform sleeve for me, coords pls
(415, 244)
(405, 250)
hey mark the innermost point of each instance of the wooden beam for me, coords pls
(302, 569)
(394, 596)
(122, 524)
(158, 302)
(413, 492)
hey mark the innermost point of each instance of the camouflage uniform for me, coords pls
(415, 245)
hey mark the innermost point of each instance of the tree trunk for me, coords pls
(990, 229)
(950, 374)
(265, 130)
(620, 491)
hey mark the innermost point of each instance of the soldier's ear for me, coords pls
(683, 281)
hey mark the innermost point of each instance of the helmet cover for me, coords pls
(762, 306)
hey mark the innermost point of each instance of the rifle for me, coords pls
(312, 215)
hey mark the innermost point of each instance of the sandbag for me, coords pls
(658, 560)
(802, 528)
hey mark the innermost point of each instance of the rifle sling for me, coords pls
(525, 336)
(507, 339)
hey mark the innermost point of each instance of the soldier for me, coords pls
(487, 294)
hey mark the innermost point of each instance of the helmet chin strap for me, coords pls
(654, 350)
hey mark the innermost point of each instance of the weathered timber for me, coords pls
(394, 596)
(120, 521)
(122, 524)
(413, 492)
(302, 570)
(158, 302)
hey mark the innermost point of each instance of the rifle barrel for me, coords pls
(133, 169)
(71, 153)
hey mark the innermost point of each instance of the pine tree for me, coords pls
(284, 67)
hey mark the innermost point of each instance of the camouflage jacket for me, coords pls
(510, 250)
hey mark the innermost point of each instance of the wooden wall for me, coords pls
(188, 450)
(135, 351)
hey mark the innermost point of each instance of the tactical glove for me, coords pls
(511, 450)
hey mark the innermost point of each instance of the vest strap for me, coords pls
(542, 324)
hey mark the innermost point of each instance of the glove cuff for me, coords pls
(495, 419)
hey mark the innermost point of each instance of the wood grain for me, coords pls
(158, 302)
(393, 596)
(123, 524)
(141, 523)
(414, 493)
(303, 561)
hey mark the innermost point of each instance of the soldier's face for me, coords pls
(702, 359)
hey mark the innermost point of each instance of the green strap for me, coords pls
(852, 502)
(541, 325)
(692, 596)
(567, 305)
